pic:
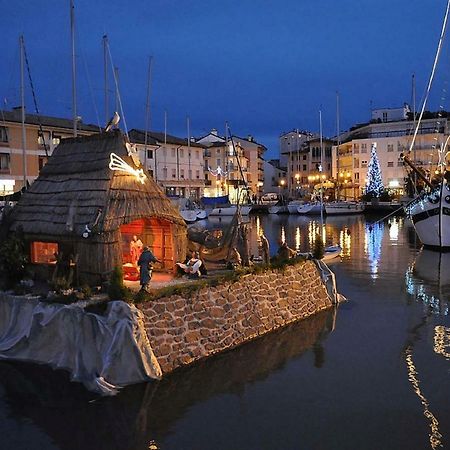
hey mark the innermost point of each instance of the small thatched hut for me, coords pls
(89, 205)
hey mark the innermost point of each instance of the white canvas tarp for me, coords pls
(103, 352)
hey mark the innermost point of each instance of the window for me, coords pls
(173, 151)
(218, 162)
(304, 167)
(197, 174)
(197, 154)
(363, 163)
(150, 171)
(181, 153)
(3, 134)
(190, 174)
(304, 157)
(56, 139)
(181, 173)
(42, 162)
(390, 164)
(363, 148)
(165, 173)
(4, 162)
(44, 252)
(165, 153)
(356, 176)
(174, 173)
(356, 148)
(390, 147)
(149, 154)
(218, 151)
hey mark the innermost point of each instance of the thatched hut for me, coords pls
(89, 204)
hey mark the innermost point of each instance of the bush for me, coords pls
(319, 247)
(116, 288)
(12, 259)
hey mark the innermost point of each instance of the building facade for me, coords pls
(391, 139)
(226, 167)
(16, 170)
(308, 164)
(274, 177)
(176, 164)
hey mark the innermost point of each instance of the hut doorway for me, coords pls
(154, 233)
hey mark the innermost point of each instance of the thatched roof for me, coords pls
(77, 188)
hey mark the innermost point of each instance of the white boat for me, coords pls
(189, 215)
(343, 207)
(201, 213)
(430, 211)
(331, 252)
(430, 214)
(310, 208)
(293, 206)
(230, 210)
(278, 209)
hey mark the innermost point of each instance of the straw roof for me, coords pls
(77, 188)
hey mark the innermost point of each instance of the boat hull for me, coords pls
(277, 209)
(343, 208)
(230, 211)
(189, 215)
(430, 214)
(310, 208)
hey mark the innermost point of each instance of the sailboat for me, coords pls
(430, 211)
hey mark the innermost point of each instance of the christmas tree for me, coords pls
(374, 185)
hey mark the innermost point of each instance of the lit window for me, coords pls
(44, 252)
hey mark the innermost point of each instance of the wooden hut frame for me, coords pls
(79, 203)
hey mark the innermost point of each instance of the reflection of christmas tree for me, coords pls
(374, 186)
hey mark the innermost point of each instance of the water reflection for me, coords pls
(142, 416)
(442, 341)
(428, 280)
(413, 376)
(372, 246)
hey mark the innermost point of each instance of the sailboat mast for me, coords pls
(147, 109)
(105, 69)
(338, 144)
(22, 97)
(74, 87)
(188, 123)
(321, 167)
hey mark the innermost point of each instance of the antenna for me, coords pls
(105, 69)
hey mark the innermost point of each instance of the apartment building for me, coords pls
(309, 162)
(176, 164)
(252, 157)
(391, 139)
(19, 165)
(226, 167)
(274, 177)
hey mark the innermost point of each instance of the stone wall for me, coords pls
(214, 319)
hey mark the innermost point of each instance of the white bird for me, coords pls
(113, 122)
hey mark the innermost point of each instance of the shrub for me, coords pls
(12, 259)
(116, 288)
(319, 247)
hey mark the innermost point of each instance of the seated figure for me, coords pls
(193, 267)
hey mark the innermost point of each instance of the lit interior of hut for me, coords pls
(154, 233)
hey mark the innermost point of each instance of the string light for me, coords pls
(117, 163)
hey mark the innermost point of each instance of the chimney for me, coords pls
(17, 112)
(250, 138)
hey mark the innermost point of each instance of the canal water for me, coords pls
(372, 374)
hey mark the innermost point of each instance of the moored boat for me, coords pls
(344, 208)
(310, 208)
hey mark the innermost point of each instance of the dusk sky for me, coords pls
(264, 66)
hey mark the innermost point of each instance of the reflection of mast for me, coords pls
(435, 436)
